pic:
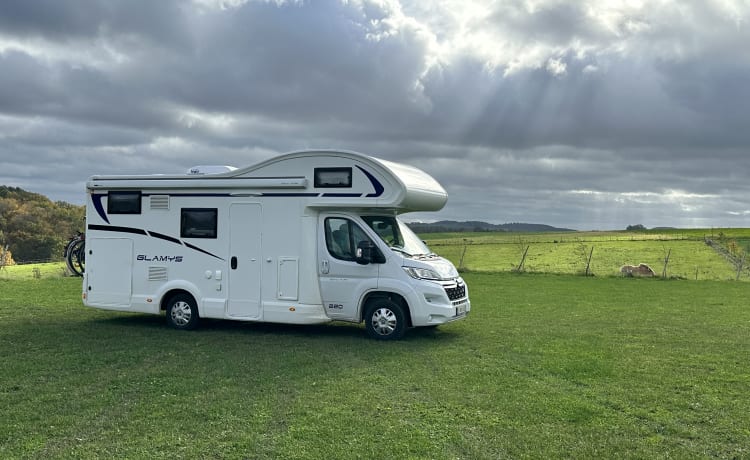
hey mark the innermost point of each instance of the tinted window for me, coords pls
(333, 177)
(124, 203)
(198, 223)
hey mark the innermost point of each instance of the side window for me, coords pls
(124, 203)
(342, 237)
(386, 229)
(332, 177)
(198, 222)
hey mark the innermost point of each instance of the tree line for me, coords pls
(35, 228)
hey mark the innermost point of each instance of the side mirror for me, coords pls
(366, 251)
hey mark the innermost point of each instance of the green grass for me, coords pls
(545, 367)
(567, 253)
(32, 271)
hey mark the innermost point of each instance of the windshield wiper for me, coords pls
(400, 250)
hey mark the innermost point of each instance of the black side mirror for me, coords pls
(366, 252)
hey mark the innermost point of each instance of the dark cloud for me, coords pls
(580, 115)
(89, 20)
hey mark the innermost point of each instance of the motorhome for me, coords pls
(308, 237)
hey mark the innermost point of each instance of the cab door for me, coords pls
(343, 282)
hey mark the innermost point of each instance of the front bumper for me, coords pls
(442, 302)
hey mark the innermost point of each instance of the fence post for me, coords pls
(463, 253)
(666, 262)
(739, 268)
(523, 259)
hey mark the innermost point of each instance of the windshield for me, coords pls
(397, 235)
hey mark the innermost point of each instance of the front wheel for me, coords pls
(385, 320)
(182, 312)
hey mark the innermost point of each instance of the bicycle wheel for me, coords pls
(75, 257)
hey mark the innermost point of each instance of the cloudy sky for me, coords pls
(588, 114)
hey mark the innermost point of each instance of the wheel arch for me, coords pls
(170, 294)
(387, 295)
(172, 288)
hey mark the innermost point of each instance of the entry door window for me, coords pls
(342, 237)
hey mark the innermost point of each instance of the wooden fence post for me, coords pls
(463, 253)
(666, 262)
(739, 268)
(523, 260)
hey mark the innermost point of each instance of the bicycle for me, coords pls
(75, 254)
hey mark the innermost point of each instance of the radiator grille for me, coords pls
(456, 292)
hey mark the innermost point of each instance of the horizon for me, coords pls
(467, 221)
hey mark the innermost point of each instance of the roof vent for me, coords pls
(210, 169)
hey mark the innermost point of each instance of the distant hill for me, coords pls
(479, 226)
(33, 227)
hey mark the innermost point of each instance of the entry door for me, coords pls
(343, 281)
(244, 260)
(109, 271)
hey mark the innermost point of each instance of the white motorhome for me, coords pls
(304, 238)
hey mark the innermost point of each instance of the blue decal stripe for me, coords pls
(165, 237)
(299, 195)
(189, 195)
(201, 250)
(379, 189)
(140, 231)
(342, 195)
(114, 228)
(97, 200)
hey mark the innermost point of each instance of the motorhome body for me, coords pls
(307, 237)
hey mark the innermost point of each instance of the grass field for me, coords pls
(545, 367)
(33, 271)
(567, 253)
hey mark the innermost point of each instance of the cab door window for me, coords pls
(342, 237)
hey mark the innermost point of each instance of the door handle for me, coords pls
(324, 267)
(233, 263)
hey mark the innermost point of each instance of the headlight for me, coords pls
(422, 273)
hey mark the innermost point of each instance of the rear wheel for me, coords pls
(182, 312)
(385, 320)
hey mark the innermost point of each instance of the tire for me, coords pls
(75, 256)
(385, 320)
(182, 312)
